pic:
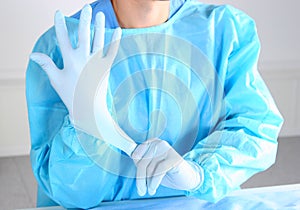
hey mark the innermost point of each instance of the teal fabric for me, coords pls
(192, 81)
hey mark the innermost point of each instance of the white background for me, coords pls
(22, 22)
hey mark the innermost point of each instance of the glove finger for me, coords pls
(84, 30)
(154, 182)
(141, 176)
(47, 64)
(142, 157)
(155, 173)
(99, 32)
(114, 46)
(139, 152)
(62, 34)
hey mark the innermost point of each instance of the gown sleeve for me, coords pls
(244, 140)
(64, 173)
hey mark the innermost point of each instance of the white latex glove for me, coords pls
(159, 164)
(64, 81)
(86, 71)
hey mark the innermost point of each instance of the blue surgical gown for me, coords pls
(192, 81)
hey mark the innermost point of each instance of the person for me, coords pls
(183, 85)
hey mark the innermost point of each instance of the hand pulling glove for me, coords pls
(159, 164)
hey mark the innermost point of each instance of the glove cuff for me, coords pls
(199, 173)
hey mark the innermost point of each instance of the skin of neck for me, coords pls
(141, 13)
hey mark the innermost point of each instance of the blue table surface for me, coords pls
(280, 197)
(264, 198)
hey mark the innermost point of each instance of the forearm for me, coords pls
(228, 159)
(67, 174)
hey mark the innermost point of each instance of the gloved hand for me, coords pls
(159, 164)
(82, 74)
(64, 81)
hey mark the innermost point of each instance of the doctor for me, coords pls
(229, 144)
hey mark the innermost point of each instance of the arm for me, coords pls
(245, 142)
(60, 163)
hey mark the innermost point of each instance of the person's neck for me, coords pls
(141, 13)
